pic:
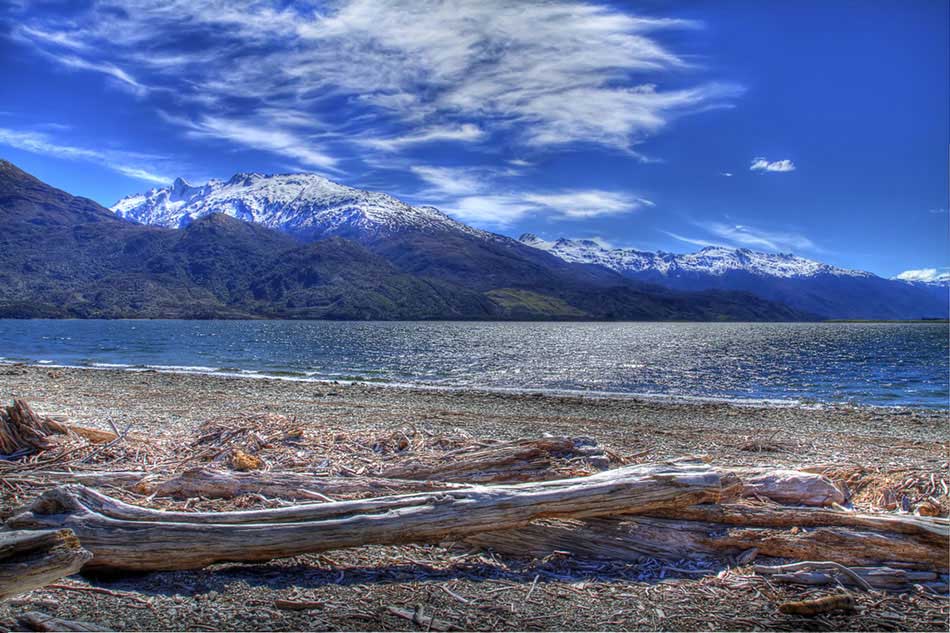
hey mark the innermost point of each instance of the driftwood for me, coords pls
(636, 537)
(931, 529)
(23, 431)
(36, 621)
(504, 462)
(129, 537)
(32, 559)
(218, 484)
(823, 573)
(792, 487)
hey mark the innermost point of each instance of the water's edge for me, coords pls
(650, 398)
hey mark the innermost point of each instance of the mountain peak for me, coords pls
(709, 260)
(304, 204)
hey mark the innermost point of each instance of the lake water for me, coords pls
(861, 363)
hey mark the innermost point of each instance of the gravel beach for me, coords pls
(349, 590)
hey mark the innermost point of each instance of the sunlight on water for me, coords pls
(861, 363)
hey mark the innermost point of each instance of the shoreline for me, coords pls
(875, 450)
(172, 401)
(302, 377)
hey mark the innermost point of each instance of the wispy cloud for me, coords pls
(488, 198)
(488, 210)
(727, 174)
(763, 164)
(126, 163)
(462, 133)
(940, 211)
(588, 203)
(745, 235)
(260, 135)
(925, 274)
(450, 181)
(544, 74)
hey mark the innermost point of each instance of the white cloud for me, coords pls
(938, 211)
(925, 274)
(763, 164)
(450, 181)
(547, 74)
(260, 135)
(116, 160)
(483, 196)
(727, 174)
(490, 210)
(751, 237)
(587, 203)
(463, 133)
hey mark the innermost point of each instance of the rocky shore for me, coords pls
(892, 458)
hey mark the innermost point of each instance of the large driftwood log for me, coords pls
(635, 537)
(931, 529)
(129, 537)
(792, 487)
(505, 462)
(31, 559)
(218, 484)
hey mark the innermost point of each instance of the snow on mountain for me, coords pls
(307, 205)
(712, 260)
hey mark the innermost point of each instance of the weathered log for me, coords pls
(31, 559)
(932, 529)
(217, 484)
(505, 462)
(129, 537)
(36, 621)
(634, 537)
(792, 487)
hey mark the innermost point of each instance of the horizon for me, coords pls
(662, 129)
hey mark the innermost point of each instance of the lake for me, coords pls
(859, 363)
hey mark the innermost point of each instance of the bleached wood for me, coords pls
(128, 537)
(634, 537)
(30, 559)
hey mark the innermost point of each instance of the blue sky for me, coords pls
(816, 127)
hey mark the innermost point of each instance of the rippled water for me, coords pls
(881, 364)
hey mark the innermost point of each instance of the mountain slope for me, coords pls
(305, 205)
(517, 280)
(62, 256)
(804, 284)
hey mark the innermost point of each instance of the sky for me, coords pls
(818, 127)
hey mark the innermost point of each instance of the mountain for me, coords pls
(64, 256)
(510, 280)
(305, 205)
(804, 284)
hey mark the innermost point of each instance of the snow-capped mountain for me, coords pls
(306, 205)
(804, 284)
(712, 260)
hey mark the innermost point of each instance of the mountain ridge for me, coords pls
(306, 205)
(823, 289)
(65, 256)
